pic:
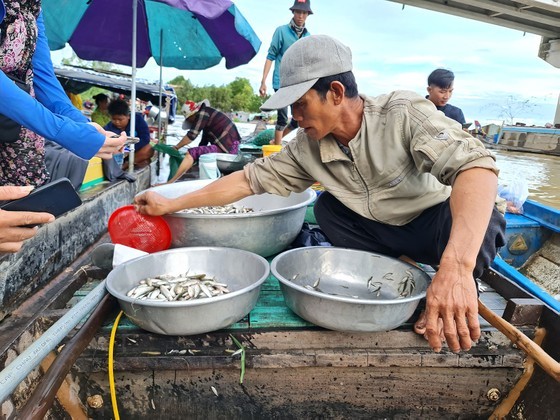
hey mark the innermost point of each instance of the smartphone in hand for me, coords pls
(56, 198)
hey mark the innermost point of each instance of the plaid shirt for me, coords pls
(216, 129)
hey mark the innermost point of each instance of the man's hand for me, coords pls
(452, 304)
(152, 203)
(12, 232)
(262, 89)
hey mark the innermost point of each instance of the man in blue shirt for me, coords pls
(120, 121)
(440, 90)
(284, 36)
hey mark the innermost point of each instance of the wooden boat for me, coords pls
(531, 257)
(292, 368)
(539, 140)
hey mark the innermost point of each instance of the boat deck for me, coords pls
(271, 312)
(294, 368)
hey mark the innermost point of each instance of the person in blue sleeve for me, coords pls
(284, 36)
(119, 112)
(33, 105)
(440, 90)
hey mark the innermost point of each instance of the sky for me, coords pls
(395, 48)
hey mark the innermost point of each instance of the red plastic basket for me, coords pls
(147, 233)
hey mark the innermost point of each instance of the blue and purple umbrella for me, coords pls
(185, 34)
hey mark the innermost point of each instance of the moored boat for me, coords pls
(531, 256)
(292, 369)
(539, 140)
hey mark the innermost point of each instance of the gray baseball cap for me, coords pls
(305, 62)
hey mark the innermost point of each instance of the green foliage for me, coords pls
(101, 66)
(235, 96)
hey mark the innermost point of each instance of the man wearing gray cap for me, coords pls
(400, 179)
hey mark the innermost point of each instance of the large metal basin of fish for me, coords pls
(349, 290)
(270, 228)
(242, 271)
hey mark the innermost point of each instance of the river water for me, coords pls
(539, 173)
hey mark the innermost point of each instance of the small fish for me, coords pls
(219, 210)
(388, 276)
(173, 287)
(214, 391)
(407, 284)
(374, 286)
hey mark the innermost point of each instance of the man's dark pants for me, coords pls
(423, 239)
(282, 119)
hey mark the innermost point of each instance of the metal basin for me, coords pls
(243, 272)
(274, 224)
(228, 163)
(342, 300)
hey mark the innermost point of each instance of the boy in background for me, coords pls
(440, 90)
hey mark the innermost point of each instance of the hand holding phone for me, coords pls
(56, 198)
(12, 223)
(131, 140)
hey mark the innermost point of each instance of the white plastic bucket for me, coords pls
(208, 167)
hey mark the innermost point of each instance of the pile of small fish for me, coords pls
(169, 287)
(229, 209)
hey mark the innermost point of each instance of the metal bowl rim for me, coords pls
(189, 303)
(312, 195)
(292, 285)
(227, 159)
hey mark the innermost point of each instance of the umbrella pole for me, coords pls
(133, 88)
(159, 136)
(160, 81)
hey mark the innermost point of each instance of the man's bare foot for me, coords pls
(420, 326)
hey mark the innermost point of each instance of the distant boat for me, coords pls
(518, 138)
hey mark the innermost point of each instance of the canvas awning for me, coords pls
(80, 80)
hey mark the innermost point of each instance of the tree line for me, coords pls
(235, 96)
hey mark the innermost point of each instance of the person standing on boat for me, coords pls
(440, 90)
(219, 134)
(120, 121)
(284, 36)
(34, 105)
(101, 113)
(399, 179)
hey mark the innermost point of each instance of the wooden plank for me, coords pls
(305, 392)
